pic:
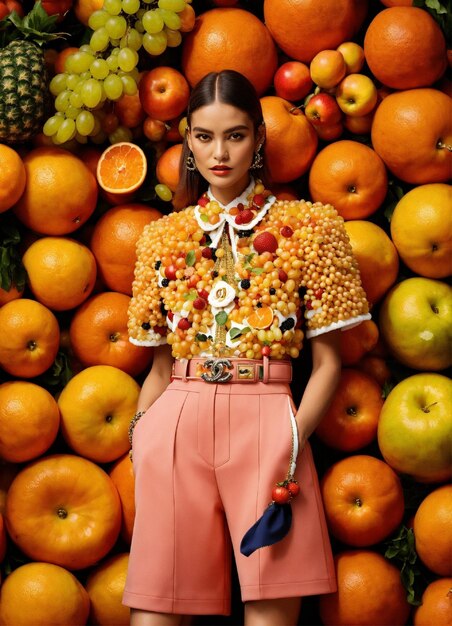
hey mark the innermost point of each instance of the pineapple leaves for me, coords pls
(36, 26)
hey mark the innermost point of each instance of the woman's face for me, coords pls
(223, 143)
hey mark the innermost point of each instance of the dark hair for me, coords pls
(228, 87)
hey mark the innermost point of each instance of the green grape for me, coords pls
(87, 48)
(99, 69)
(122, 133)
(115, 51)
(171, 19)
(129, 85)
(139, 26)
(113, 7)
(163, 192)
(116, 26)
(135, 74)
(66, 131)
(85, 75)
(58, 84)
(76, 99)
(112, 62)
(85, 123)
(99, 39)
(91, 93)
(62, 100)
(130, 6)
(72, 112)
(113, 87)
(153, 22)
(154, 44)
(72, 81)
(98, 19)
(140, 13)
(132, 39)
(127, 59)
(52, 125)
(172, 5)
(78, 62)
(174, 38)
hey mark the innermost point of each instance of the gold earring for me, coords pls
(190, 163)
(258, 161)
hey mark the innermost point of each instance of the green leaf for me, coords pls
(237, 332)
(400, 549)
(221, 318)
(190, 295)
(190, 258)
(257, 270)
(59, 374)
(35, 26)
(436, 6)
(201, 337)
(249, 257)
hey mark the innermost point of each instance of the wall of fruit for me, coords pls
(357, 106)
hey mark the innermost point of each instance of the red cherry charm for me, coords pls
(294, 488)
(170, 316)
(265, 242)
(280, 494)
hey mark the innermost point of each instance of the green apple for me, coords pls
(416, 323)
(415, 427)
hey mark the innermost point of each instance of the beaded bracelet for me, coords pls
(133, 423)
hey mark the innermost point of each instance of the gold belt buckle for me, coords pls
(217, 372)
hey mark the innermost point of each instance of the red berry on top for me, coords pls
(199, 304)
(265, 242)
(202, 293)
(206, 253)
(203, 200)
(259, 200)
(294, 488)
(246, 215)
(282, 276)
(286, 231)
(183, 323)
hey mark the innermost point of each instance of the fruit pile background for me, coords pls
(356, 100)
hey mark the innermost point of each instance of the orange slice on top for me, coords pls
(121, 168)
(261, 317)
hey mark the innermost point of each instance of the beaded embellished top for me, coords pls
(248, 279)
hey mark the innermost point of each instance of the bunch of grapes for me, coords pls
(106, 68)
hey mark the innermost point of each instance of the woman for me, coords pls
(226, 291)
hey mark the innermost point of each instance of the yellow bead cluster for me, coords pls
(313, 258)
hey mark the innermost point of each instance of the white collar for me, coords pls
(243, 198)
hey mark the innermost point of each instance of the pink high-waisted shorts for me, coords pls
(206, 457)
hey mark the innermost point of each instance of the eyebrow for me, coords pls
(228, 130)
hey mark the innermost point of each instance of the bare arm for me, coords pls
(326, 369)
(158, 378)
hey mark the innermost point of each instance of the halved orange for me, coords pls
(261, 317)
(121, 168)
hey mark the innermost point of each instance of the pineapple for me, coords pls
(23, 82)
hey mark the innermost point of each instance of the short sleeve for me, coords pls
(146, 317)
(333, 294)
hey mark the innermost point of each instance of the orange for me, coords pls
(369, 592)
(29, 339)
(129, 110)
(412, 132)
(357, 341)
(84, 8)
(96, 407)
(291, 141)
(376, 367)
(302, 28)
(124, 480)
(405, 48)
(167, 170)
(376, 255)
(60, 194)
(61, 59)
(261, 317)
(436, 607)
(363, 500)
(42, 594)
(351, 421)
(61, 272)
(99, 336)
(65, 510)
(105, 586)
(121, 168)
(433, 531)
(13, 293)
(114, 240)
(12, 177)
(29, 421)
(231, 39)
(421, 229)
(351, 177)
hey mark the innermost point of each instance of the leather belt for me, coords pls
(220, 370)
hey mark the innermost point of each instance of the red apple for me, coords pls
(154, 130)
(329, 132)
(164, 93)
(292, 81)
(8, 6)
(323, 110)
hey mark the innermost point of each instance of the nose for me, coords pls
(220, 151)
